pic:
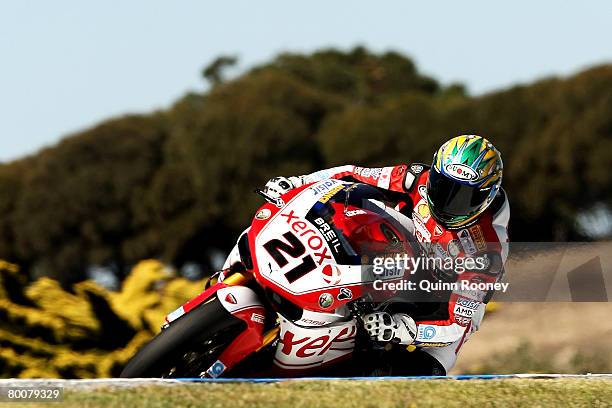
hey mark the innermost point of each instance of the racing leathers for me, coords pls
(441, 327)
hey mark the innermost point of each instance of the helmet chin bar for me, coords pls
(450, 225)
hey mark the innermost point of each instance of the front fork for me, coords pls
(239, 278)
(242, 303)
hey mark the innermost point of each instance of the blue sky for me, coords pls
(66, 65)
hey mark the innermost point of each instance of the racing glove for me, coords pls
(278, 186)
(399, 328)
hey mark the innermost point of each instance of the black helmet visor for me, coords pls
(451, 199)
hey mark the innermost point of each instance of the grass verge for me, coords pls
(378, 394)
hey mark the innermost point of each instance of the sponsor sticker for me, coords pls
(463, 311)
(423, 211)
(309, 345)
(257, 318)
(437, 231)
(384, 179)
(475, 294)
(467, 303)
(263, 214)
(479, 239)
(426, 332)
(352, 213)
(326, 300)
(331, 274)
(461, 172)
(323, 187)
(310, 322)
(462, 321)
(439, 251)
(421, 231)
(327, 196)
(434, 344)
(216, 369)
(372, 172)
(467, 242)
(423, 191)
(453, 248)
(416, 168)
(328, 233)
(345, 294)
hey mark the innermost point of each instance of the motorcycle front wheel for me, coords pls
(189, 346)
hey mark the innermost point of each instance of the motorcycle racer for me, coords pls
(459, 210)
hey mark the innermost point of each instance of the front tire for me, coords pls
(188, 346)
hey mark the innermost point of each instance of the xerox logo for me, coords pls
(304, 347)
(309, 235)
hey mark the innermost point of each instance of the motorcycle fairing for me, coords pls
(301, 254)
(302, 349)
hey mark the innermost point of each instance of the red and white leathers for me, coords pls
(442, 330)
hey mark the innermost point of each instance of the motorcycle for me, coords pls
(293, 304)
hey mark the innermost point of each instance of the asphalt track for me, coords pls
(136, 382)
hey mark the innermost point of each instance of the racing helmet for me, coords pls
(464, 179)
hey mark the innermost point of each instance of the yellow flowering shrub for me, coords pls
(88, 332)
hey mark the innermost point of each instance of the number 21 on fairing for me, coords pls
(294, 248)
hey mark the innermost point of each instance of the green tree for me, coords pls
(176, 183)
